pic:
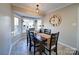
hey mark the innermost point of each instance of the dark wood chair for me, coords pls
(27, 33)
(41, 30)
(33, 42)
(28, 37)
(47, 31)
(52, 46)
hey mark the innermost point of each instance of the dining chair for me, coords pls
(33, 42)
(41, 30)
(47, 31)
(27, 35)
(52, 45)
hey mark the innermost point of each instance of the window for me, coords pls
(16, 21)
(16, 26)
(27, 23)
(39, 23)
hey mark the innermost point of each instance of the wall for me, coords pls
(5, 28)
(78, 29)
(68, 27)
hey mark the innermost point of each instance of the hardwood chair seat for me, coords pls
(47, 46)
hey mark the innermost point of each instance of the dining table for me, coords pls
(42, 37)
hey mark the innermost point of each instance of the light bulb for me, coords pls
(37, 11)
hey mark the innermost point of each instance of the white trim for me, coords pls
(67, 45)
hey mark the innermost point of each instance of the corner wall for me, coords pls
(68, 27)
(5, 28)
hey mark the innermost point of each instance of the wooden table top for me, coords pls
(46, 36)
(43, 35)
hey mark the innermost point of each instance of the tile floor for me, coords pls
(21, 48)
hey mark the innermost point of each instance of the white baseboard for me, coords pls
(67, 45)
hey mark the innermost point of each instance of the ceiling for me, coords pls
(44, 7)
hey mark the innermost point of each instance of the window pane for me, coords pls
(16, 21)
(16, 26)
(27, 23)
(39, 23)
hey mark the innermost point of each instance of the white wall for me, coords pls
(5, 28)
(68, 27)
(78, 29)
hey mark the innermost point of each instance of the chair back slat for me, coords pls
(47, 31)
(41, 30)
(31, 35)
(54, 39)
